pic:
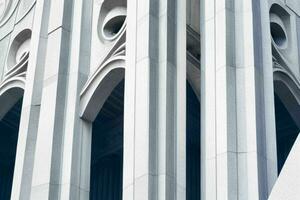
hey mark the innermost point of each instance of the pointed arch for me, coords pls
(287, 113)
(100, 86)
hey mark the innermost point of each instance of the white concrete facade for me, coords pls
(149, 99)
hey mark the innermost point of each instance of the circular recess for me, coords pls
(111, 20)
(113, 23)
(280, 27)
(278, 35)
(19, 48)
(23, 50)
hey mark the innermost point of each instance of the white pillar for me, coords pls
(154, 121)
(180, 99)
(31, 104)
(265, 91)
(47, 162)
(76, 147)
(232, 97)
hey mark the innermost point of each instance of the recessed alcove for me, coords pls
(278, 34)
(107, 148)
(287, 112)
(193, 95)
(193, 145)
(19, 47)
(280, 26)
(113, 22)
(9, 129)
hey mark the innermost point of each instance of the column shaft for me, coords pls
(265, 92)
(231, 99)
(31, 104)
(155, 165)
(75, 182)
(47, 164)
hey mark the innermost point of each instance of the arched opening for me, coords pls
(107, 148)
(9, 130)
(287, 113)
(193, 145)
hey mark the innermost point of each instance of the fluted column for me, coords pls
(265, 91)
(76, 149)
(234, 70)
(23, 171)
(46, 179)
(155, 82)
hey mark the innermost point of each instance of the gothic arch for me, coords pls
(11, 95)
(288, 83)
(102, 124)
(100, 86)
(193, 142)
(287, 113)
(287, 88)
(10, 92)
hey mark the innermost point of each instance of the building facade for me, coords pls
(149, 99)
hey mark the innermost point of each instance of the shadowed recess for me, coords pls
(286, 132)
(9, 129)
(193, 145)
(107, 148)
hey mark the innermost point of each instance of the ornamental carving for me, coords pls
(284, 39)
(111, 20)
(18, 54)
(7, 7)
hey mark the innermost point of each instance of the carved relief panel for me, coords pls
(285, 49)
(108, 31)
(16, 19)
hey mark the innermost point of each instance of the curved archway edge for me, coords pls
(99, 88)
(10, 92)
(289, 93)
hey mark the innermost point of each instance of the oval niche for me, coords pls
(19, 48)
(111, 20)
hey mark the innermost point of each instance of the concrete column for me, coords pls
(154, 121)
(231, 99)
(31, 104)
(75, 182)
(218, 135)
(180, 99)
(47, 162)
(265, 95)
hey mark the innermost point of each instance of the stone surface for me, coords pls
(294, 5)
(220, 51)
